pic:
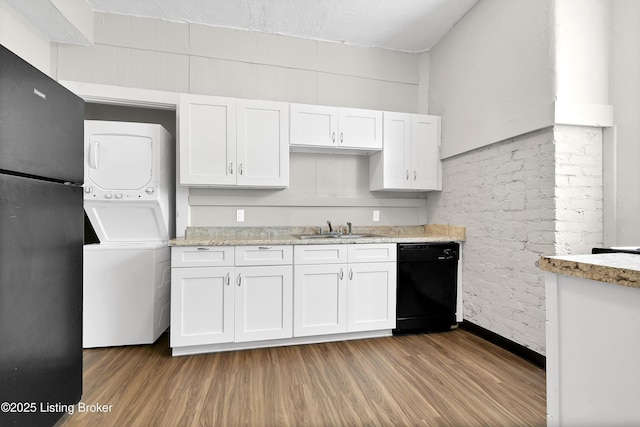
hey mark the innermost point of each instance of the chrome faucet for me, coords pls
(330, 227)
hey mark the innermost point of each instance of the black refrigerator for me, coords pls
(41, 238)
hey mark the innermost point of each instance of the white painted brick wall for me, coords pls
(578, 161)
(532, 195)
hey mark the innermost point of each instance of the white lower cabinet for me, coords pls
(225, 298)
(231, 304)
(264, 303)
(202, 301)
(336, 297)
(371, 299)
(320, 299)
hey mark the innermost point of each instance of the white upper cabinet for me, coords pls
(360, 129)
(318, 128)
(207, 138)
(227, 142)
(314, 125)
(410, 157)
(425, 153)
(262, 145)
(392, 166)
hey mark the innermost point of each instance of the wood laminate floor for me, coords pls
(446, 379)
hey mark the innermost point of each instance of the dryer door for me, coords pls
(120, 162)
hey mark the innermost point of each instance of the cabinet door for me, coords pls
(262, 143)
(201, 306)
(425, 153)
(397, 150)
(314, 125)
(320, 299)
(263, 303)
(207, 139)
(371, 296)
(360, 128)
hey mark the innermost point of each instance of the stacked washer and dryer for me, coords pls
(128, 201)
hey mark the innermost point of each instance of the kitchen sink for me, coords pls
(356, 236)
(312, 236)
(334, 236)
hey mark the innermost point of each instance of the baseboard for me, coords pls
(519, 350)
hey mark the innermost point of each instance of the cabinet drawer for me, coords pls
(372, 252)
(263, 255)
(202, 256)
(320, 254)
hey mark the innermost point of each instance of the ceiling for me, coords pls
(402, 25)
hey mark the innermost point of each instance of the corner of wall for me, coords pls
(423, 83)
(17, 35)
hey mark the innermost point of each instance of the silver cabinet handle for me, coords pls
(262, 248)
(231, 168)
(239, 281)
(350, 274)
(240, 169)
(333, 137)
(203, 249)
(415, 174)
(341, 274)
(228, 279)
(341, 137)
(407, 174)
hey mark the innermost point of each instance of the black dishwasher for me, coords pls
(427, 287)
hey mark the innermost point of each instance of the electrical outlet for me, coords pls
(240, 215)
(376, 216)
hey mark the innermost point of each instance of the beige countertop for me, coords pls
(247, 236)
(617, 268)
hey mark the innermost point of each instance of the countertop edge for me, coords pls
(251, 236)
(618, 269)
(235, 241)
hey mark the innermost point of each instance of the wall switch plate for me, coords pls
(376, 216)
(240, 215)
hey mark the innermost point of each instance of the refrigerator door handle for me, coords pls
(94, 154)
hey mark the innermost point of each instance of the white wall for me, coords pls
(23, 39)
(512, 67)
(493, 75)
(193, 58)
(322, 187)
(582, 51)
(503, 80)
(180, 57)
(622, 189)
(578, 189)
